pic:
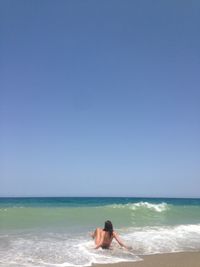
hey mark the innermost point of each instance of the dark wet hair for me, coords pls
(108, 227)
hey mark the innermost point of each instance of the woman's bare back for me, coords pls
(106, 239)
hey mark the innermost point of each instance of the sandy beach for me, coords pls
(182, 259)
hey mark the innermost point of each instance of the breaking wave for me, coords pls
(142, 205)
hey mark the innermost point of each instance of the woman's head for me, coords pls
(108, 227)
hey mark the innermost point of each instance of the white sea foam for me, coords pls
(156, 207)
(151, 240)
(58, 249)
(145, 205)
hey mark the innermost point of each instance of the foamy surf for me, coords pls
(56, 249)
(60, 250)
(168, 239)
(142, 205)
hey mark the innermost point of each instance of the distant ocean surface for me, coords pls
(56, 231)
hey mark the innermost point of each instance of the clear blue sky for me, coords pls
(100, 98)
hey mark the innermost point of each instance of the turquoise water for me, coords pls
(55, 231)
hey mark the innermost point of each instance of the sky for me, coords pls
(100, 98)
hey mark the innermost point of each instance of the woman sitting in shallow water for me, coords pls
(103, 237)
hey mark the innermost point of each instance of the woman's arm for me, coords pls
(115, 235)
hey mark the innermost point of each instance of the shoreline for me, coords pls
(177, 259)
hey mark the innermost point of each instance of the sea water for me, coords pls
(56, 231)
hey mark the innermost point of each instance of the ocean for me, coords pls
(56, 231)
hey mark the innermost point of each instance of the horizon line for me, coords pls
(161, 197)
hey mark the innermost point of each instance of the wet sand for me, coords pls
(182, 259)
